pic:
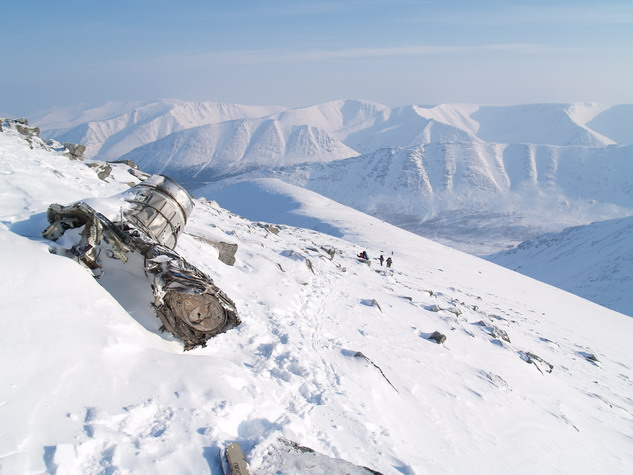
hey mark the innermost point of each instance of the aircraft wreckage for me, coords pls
(151, 217)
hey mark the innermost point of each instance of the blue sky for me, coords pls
(297, 53)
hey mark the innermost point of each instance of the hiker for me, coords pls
(363, 255)
(389, 261)
(381, 259)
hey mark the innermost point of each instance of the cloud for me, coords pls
(254, 57)
(495, 13)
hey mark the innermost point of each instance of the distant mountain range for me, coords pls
(479, 178)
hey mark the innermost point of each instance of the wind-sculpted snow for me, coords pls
(530, 379)
(594, 261)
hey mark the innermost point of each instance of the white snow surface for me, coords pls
(594, 261)
(88, 386)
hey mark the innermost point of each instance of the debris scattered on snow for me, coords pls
(190, 306)
(536, 361)
(359, 354)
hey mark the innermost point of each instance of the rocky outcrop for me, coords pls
(75, 151)
(226, 250)
(437, 337)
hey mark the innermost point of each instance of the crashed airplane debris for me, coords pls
(151, 217)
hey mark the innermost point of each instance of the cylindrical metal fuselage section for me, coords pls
(160, 208)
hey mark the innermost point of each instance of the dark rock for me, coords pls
(22, 129)
(309, 265)
(138, 173)
(103, 170)
(371, 303)
(129, 163)
(269, 227)
(454, 310)
(75, 150)
(537, 361)
(589, 357)
(285, 456)
(499, 333)
(438, 337)
(330, 251)
(226, 250)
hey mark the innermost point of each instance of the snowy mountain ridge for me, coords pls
(487, 196)
(335, 355)
(361, 125)
(204, 153)
(477, 166)
(112, 136)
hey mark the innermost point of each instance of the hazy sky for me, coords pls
(294, 52)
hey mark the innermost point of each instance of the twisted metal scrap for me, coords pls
(187, 302)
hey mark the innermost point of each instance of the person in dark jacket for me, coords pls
(389, 261)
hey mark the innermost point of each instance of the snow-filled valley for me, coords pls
(478, 178)
(332, 353)
(594, 261)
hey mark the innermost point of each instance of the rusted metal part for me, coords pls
(187, 302)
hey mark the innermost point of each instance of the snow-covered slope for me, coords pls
(337, 118)
(616, 123)
(474, 196)
(111, 137)
(406, 127)
(72, 116)
(552, 124)
(208, 152)
(594, 261)
(483, 181)
(335, 356)
(112, 129)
